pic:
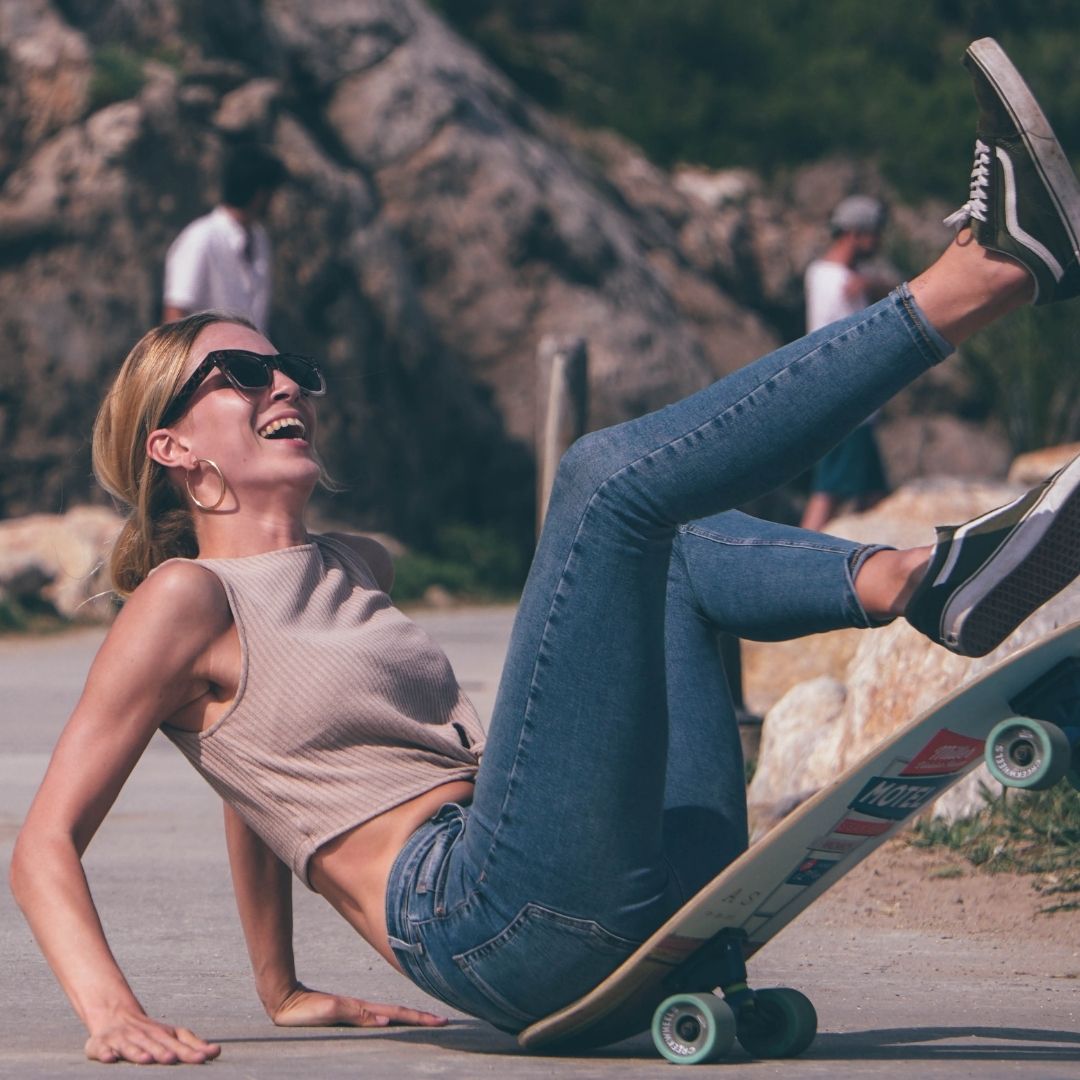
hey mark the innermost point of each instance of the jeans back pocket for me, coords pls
(542, 961)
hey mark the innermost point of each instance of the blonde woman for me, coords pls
(506, 877)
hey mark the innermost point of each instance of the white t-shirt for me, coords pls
(205, 268)
(826, 300)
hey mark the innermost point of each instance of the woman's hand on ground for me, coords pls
(134, 1037)
(312, 1008)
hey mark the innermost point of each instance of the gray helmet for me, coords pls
(858, 213)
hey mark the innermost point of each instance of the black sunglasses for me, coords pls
(248, 371)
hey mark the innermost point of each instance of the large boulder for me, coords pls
(60, 559)
(1033, 466)
(821, 728)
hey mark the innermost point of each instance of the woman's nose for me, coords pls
(284, 389)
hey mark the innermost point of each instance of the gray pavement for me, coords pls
(887, 1000)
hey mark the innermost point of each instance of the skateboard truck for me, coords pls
(694, 1027)
(720, 962)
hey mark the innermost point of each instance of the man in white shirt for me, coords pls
(222, 260)
(851, 471)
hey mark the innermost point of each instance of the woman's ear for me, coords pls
(165, 447)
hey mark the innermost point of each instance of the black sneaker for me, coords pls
(987, 576)
(1025, 198)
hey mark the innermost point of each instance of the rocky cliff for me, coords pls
(434, 226)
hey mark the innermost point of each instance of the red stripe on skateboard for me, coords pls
(946, 753)
(859, 827)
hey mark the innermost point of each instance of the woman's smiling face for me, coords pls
(258, 438)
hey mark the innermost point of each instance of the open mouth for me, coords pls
(289, 428)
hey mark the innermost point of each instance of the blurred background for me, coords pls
(467, 176)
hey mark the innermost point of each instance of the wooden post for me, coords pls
(562, 395)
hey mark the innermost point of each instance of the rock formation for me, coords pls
(433, 227)
(57, 562)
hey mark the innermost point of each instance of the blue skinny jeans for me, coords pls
(611, 787)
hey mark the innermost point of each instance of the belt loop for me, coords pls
(403, 946)
(429, 870)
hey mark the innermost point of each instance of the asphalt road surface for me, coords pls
(889, 1001)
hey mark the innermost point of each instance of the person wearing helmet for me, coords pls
(836, 287)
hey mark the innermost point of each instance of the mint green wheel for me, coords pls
(690, 1029)
(778, 1023)
(1030, 754)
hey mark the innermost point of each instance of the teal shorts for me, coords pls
(852, 468)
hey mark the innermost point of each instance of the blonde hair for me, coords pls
(159, 524)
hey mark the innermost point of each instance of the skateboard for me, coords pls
(1021, 716)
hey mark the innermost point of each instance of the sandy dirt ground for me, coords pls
(934, 890)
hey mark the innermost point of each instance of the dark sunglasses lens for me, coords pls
(249, 371)
(302, 372)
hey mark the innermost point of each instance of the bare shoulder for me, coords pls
(178, 610)
(380, 561)
(186, 590)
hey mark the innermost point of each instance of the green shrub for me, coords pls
(770, 86)
(12, 617)
(1027, 371)
(29, 615)
(118, 76)
(471, 563)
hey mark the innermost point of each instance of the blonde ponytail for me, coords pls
(159, 525)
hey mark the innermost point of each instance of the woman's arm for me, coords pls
(263, 885)
(143, 673)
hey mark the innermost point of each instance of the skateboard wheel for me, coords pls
(1031, 754)
(689, 1029)
(778, 1023)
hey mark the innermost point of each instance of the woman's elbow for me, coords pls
(19, 869)
(31, 858)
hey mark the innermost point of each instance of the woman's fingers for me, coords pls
(149, 1044)
(400, 1014)
(314, 1008)
(192, 1042)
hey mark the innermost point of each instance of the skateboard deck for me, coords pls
(811, 850)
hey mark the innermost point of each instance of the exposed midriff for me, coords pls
(352, 870)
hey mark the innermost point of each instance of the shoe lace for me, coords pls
(975, 207)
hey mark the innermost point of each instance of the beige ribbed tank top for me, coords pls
(345, 707)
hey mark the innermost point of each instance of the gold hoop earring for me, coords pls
(220, 475)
